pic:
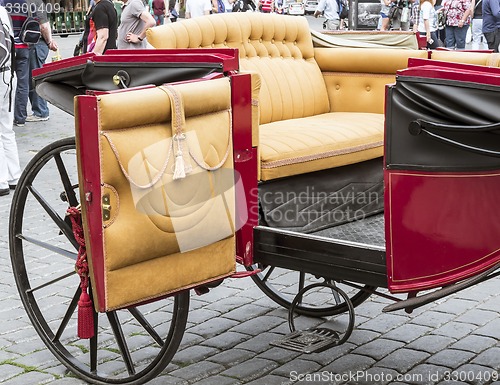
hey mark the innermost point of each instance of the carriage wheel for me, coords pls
(130, 346)
(282, 285)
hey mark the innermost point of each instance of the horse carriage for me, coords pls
(244, 145)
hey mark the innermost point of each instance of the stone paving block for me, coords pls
(250, 370)
(190, 339)
(360, 337)
(327, 356)
(167, 380)
(201, 315)
(425, 374)
(378, 349)
(407, 332)
(431, 343)
(491, 329)
(455, 306)
(198, 371)
(270, 380)
(477, 317)
(450, 358)
(454, 329)
(246, 312)
(349, 364)
(384, 322)
(259, 343)
(194, 354)
(474, 343)
(214, 327)
(31, 378)
(432, 319)
(258, 325)
(227, 304)
(490, 358)
(37, 359)
(7, 355)
(475, 374)
(232, 357)
(379, 376)
(403, 359)
(69, 381)
(8, 371)
(296, 367)
(279, 355)
(226, 340)
(27, 347)
(217, 380)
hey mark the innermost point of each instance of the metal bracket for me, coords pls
(106, 207)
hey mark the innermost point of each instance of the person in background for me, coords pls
(22, 61)
(135, 20)
(104, 21)
(385, 22)
(427, 23)
(457, 22)
(197, 8)
(10, 170)
(160, 10)
(491, 23)
(330, 11)
(478, 39)
(402, 21)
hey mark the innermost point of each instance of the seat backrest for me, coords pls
(278, 47)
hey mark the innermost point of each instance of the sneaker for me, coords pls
(18, 124)
(34, 118)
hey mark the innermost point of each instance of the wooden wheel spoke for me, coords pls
(68, 187)
(63, 226)
(120, 339)
(48, 246)
(146, 325)
(71, 309)
(51, 282)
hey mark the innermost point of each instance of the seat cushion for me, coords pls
(297, 146)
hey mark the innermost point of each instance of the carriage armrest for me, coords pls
(256, 84)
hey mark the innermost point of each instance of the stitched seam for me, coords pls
(328, 154)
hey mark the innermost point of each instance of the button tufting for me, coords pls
(337, 87)
(368, 88)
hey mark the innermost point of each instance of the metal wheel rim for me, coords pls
(39, 321)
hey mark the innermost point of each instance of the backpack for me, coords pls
(30, 31)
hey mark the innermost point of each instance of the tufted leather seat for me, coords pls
(319, 108)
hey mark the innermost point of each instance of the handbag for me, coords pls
(163, 219)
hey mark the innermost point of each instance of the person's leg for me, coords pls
(38, 56)
(496, 42)
(10, 170)
(450, 37)
(461, 36)
(477, 34)
(332, 25)
(23, 84)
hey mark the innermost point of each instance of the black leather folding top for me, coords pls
(442, 125)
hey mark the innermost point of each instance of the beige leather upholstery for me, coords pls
(319, 107)
(278, 48)
(156, 232)
(319, 142)
(478, 58)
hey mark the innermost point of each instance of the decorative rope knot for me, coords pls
(85, 306)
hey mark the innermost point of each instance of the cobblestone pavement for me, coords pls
(229, 330)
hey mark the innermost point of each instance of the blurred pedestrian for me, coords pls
(9, 158)
(104, 24)
(197, 8)
(160, 10)
(491, 23)
(457, 22)
(135, 20)
(330, 10)
(19, 14)
(478, 39)
(427, 23)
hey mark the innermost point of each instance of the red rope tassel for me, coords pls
(85, 306)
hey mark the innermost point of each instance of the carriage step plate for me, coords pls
(309, 340)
